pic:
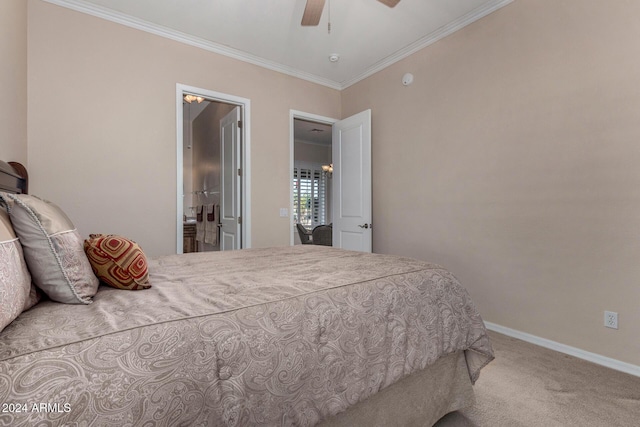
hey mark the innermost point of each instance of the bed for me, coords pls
(303, 335)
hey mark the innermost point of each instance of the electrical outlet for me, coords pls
(611, 319)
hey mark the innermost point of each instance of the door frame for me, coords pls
(295, 114)
(245, 158)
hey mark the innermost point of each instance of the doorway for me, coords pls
(349, 184)
(311, 198)
(213, 200)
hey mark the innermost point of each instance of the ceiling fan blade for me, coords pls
(312, 12)
(390, 3)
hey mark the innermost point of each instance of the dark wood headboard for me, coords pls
(13, 178)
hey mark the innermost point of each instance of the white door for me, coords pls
(230, 181)
(351, 155)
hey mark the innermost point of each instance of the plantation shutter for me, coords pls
(309, 194)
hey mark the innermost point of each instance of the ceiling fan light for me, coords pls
(190, 98)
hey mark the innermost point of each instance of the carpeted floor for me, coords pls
(528, 385)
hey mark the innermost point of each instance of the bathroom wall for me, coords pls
(206, 167)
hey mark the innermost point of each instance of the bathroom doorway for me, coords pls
(212, 172)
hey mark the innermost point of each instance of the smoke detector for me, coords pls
(334, 57)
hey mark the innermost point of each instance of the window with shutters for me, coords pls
(309, 194)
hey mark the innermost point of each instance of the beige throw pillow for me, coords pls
(17, 294)
(52, 249)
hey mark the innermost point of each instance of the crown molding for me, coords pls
(429, 39)
(159, 30)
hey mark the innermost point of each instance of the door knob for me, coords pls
(364, 226)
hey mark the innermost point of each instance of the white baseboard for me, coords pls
(562, 348)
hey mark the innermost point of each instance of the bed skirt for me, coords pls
(420, 399)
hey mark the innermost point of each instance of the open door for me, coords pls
(230, 208)
(351, 155)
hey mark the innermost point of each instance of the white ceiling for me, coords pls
(312, 132)
(366, 34)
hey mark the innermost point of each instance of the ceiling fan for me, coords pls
(313, 10)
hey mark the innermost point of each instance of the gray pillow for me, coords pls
(17, 294)
(52, 249)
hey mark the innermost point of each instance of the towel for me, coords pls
(200, 224)
(211, 225)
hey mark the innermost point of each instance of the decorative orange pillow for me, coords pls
(117, 261)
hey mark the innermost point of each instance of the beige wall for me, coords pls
(102, 125)
(13, 80)
(308, 152)
(514, 160)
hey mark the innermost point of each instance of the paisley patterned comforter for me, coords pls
(280, 336)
